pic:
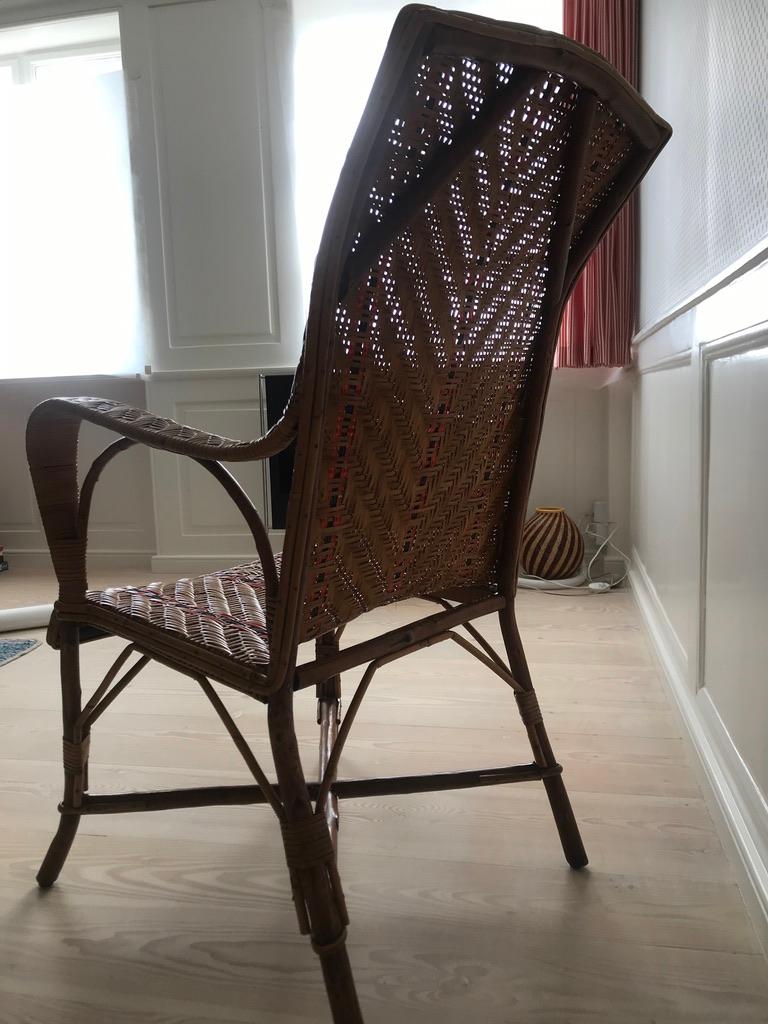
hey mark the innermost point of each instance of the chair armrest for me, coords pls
(156, 431)
(52, 433)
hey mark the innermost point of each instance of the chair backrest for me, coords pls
(489, 161)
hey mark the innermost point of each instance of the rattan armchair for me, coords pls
(489, 161)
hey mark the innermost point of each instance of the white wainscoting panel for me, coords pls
(665, 523)
(198, 527)
(209, 98)
(735, 649)
(700, 556)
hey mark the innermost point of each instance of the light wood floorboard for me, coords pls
(462, 906)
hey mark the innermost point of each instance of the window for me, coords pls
(69, 297)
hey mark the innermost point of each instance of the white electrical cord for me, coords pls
(607, 541)
(533, 582)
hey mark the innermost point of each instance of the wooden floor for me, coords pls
(462, 906)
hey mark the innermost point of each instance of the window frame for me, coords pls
(24, 63)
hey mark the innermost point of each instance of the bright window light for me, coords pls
(69, 297)
(339, 44)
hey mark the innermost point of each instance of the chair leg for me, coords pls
(528, 705)
(311, 860)
(60, 846)
(328, 716)
(75, 757)
(568, 829)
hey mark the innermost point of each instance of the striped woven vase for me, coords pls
(552, 546)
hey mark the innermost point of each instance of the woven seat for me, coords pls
(489, 161)
(223, 611)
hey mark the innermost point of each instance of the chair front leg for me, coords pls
(530, 713)
(311, 859)
(75, 757)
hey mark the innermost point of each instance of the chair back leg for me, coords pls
(530, 713)
(75, 757)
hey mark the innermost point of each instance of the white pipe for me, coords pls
(34, 616)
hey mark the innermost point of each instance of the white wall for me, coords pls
(700, 476)
(585, 446)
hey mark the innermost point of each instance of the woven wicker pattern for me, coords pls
(156, 431)
(223, 611)
(434, 342)
(609, 148)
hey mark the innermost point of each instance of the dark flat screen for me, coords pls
(277, 388)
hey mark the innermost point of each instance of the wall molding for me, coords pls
(670, 362)
(204, 374)
(95, 378)
(725, 347)
(206, 315)
(737, 806)
(39, 558)
(733, 344)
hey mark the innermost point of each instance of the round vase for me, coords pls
(552, 545)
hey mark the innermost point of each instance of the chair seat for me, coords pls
(222, 611)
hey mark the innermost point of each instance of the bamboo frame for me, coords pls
(308, 812)
(349, 789)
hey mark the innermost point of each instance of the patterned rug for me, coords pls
(10, 649)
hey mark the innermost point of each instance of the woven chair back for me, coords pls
(489, 161)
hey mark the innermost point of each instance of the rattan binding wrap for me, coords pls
(308, 845)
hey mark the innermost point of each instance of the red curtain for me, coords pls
(600, 316)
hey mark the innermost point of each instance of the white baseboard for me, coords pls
(736, 803)
(182, 565)
(669, 649)
(39, 558)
